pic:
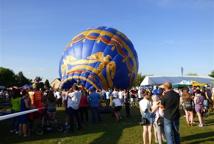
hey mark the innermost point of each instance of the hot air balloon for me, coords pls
(99, 58)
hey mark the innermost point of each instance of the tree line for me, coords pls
(8, 79)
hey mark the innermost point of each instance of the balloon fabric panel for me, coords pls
(99, 58)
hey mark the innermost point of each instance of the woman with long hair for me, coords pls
(198, 100)
(188, 105)
(158, 122)
(146, 112)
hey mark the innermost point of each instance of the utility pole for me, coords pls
(182, 71)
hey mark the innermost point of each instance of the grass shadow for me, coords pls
(211, 140)
(197, 136)
(110, 129)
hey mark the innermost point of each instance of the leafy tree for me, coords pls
(38, 79)
(7, 77)
(138, 79)
(211, 74)
(38, 83)
(21, 79)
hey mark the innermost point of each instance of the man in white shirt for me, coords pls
(58, 96)
(121, 96)
(73, 106)
(108, 93)
(115, 93)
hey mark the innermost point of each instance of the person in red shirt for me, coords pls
(38, 102)
(83, 107)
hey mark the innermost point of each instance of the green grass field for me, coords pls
(108, 131)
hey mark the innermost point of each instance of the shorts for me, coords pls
(118, 108)
(150, 117)
(198, 109)
(188, 109)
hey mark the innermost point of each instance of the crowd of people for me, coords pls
(77, 103)
(160, 108)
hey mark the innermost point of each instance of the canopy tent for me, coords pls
(183, 83)
(2, 87)
(27, 86)
(157, 80)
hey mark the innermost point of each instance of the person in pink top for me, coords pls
(83, 107)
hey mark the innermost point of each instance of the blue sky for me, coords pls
(167, 34)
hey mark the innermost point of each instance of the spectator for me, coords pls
(23, 122)
(103, 94)
(121, 96)
(94, 101)
(133, 94)
(73, 106)
(51, 105)
(84, 106)
(188, 105)
(158, 131)
(170, 103)
(115, 93)
(31, 95)
(37, 102)
(108, 94)
(15, 107)
(198, 100)
(117, 107)
(145, 108)
(127, 102)
(58, 96)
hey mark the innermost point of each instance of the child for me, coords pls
(25, 105)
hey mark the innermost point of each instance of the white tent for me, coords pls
(157, 80)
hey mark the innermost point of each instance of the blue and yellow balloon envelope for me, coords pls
(99, 58)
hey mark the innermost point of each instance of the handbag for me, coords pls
(160, 121)
(144, 121)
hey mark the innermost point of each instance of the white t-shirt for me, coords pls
(120, 93)
(144, 104)
(140, 93)
(115, 93)
(57, 95)
(108, 95)
(116, 102)
(74, 100)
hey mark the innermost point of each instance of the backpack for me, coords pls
(188, 105)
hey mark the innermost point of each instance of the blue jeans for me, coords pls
(171, 129)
